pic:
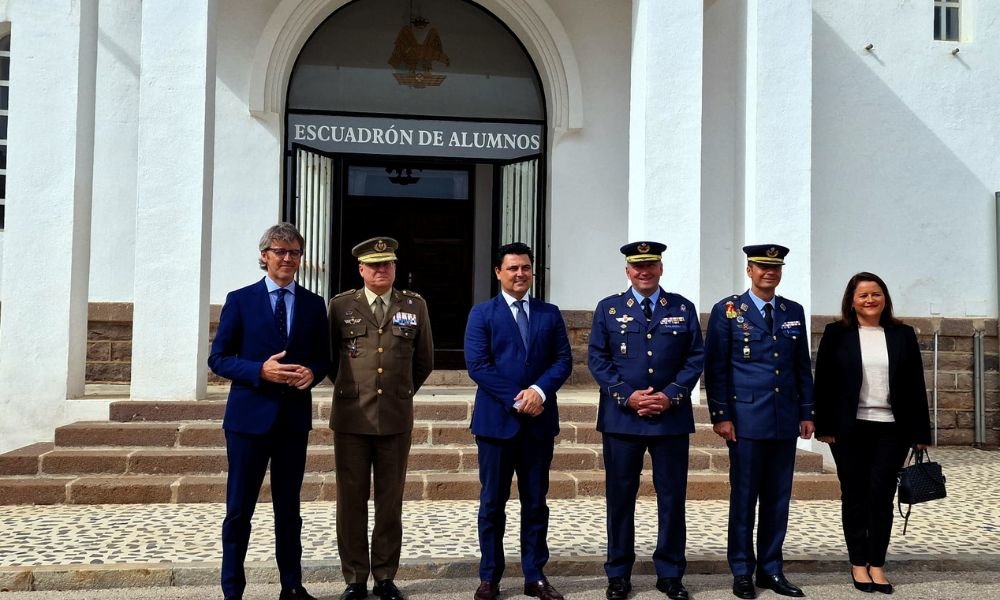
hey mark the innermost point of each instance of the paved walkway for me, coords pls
(101, 546)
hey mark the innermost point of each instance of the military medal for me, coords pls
(746, 352)
(623, 348)
(730, 310)
(352, 348)
(740, 319)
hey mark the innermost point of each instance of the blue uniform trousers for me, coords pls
(623, 458)
(499, 459)
(760, 472)
(248, 458)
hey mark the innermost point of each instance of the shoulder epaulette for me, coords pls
(345, 293)
(410, 293)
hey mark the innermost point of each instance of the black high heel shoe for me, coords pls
(863, 586)
(882, 588)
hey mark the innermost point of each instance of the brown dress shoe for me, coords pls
(542, 590)
(487, 590)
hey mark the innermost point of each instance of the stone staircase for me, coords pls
(173, 452)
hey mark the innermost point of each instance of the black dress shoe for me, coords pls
(234, 597)
(542, 590)
(779, 585)
(355, 591)
(487, 590)
(673, 588)
(863, 586)
(295, 594)
(387, 590)
(743, 587)
(618, 588)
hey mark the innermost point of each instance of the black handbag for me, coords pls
(918, 481)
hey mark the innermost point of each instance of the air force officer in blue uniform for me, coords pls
(646, 355)
(759, 384)
(273, 344)
(518, 353)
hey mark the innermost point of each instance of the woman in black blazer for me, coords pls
(871, 407)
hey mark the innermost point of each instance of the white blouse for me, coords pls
(873, 405)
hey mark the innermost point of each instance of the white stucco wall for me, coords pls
(248, 156)
(905, 156)
(588, 181)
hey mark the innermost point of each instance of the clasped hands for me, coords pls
(296, 376)
(529, 402)
(648, 403)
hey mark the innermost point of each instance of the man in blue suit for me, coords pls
(646, 355)
(273, 344)
(517, 352)
(759, 384)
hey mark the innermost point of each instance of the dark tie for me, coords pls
(647, 308)
(379, 310)
(281, 316)
(768, 317)
(522, 322)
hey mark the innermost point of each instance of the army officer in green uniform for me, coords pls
(382, 354)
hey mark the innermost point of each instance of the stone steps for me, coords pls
(163, 451)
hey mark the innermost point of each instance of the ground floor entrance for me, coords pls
(449, 214)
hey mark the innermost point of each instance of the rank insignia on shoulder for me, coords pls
(630, 302)
(612, 311)
(663, 301)
(345, 293)
(730, 310)
(684, 307)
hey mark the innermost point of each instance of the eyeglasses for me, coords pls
(282, 252)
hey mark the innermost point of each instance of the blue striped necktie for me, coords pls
(522, 322)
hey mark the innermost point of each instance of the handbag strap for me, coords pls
(906, 517)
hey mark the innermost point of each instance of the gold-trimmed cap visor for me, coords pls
(376, 250)
(766, 254)
(637, 252)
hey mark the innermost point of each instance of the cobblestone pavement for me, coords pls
(66, 546)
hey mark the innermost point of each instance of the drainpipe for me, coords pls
(937, 336)
(979, 415)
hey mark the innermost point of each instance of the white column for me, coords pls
(43, 325)
(778, 120)
(174, 208)
(665, 135)
(115, 144)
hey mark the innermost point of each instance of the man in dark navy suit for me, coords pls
(759, 384)
(646, 355)
(273, 344)
(517, 352)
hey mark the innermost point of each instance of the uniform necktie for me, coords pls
(768, 317)
(647, 308)
(379, 310)
(522, 322)
(281, 316)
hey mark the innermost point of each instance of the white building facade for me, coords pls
(149, 146)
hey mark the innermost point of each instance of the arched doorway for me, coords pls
(423, 120)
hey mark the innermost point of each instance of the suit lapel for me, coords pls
(892, 345)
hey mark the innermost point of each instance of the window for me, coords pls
(4, 99)
(946, 20)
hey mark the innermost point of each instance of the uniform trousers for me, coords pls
(623, 460)
(499, 459)
(868, 460)
(356, 457)
(248, 456)
(760, 478)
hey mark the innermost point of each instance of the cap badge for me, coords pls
(643, 247)
(772, 252)
(379, 246)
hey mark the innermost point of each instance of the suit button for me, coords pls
(774, 337)
(379, 391)
(380, 330)
(777, 389)
(745, 340)
(795, 337)
(650, 370)
(352, 332)
(675, 333)
(380, 369)
(775, 355)
(776, 371)
(649, 336)
(649, 352)
(381, 350)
